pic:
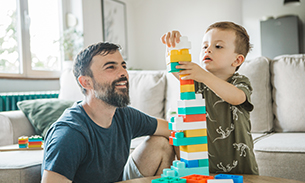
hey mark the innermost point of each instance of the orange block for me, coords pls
(193, 117)
(186, 82)
(197, 178)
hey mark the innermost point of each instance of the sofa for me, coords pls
(278, 118)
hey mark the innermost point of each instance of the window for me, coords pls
(29, 38)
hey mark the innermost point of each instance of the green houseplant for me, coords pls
(71, 43)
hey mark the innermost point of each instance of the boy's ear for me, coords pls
(86, 82)
(238, 61)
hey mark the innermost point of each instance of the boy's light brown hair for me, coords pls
(242, 40)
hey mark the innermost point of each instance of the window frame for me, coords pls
(25, 68)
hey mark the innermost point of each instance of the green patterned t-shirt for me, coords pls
(230, 143)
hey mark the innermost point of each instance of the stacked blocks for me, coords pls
(177, 54)
(189, 127)
(35, 141)
(23, 142)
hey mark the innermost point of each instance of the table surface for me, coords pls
(247, 179)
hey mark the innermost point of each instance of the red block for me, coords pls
(197, 178)
(186, 82)
(170, 140)
(193, 117)
(173, 133)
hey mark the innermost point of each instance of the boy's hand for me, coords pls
(171, 38)
(193, 71)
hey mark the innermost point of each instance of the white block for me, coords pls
(178, 124)
(183, 44)
(191, 103)
(194, 155)
(220, 181)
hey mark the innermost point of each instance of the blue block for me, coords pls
(181, 170)
(190, 163)
(236, 178)
(192, 110)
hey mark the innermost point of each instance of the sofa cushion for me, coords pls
(42, 113)
(257, 70)
(6, 131)
(20, 166)
(288, 78)
(147, 91)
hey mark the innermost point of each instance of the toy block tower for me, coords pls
(189, 127)
(35, 141)
(23, 141)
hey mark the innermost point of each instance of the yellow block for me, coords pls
(195, 133)
(194, 148)
(34, 146)
(182, 75)
(187, 88)
(179, 55)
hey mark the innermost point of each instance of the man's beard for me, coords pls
(109, 95)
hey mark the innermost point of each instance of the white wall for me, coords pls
(148, 20)
(253, 11)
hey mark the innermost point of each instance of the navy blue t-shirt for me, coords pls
(82, 151)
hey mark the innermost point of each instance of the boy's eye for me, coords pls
(205, 47)
(218, 46)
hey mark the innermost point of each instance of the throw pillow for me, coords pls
(42, 113)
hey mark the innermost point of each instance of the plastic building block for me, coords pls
(23, 141)
(169, 180)
(195, 133)
(191, 103)
(187, 88)
(192, 110)
(193, 117)
(35, 141)
(183, 44)
(186, 82)
(187, 96)
(197, 178)
(180, 140)
(235, 178)
(220, 181)
(179, 55)
(194, 155)
(196, 163)
(177, 123)
(171, 67)
(181, 170)
(194, 148)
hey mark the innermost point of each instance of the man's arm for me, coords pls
(162, 129)
(50, 176)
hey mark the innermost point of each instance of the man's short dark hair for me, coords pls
(82, 62)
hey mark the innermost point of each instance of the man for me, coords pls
(91, 140)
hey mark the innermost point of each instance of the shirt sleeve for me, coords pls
(243, 83)
(58, 147)
(142, 124)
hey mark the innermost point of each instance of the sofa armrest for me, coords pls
(14, 124)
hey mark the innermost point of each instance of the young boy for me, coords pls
(227, 95)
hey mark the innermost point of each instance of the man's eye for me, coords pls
(110, 67)
(124, 66)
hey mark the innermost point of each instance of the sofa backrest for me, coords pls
(146, 90)
(258, 72)
(288, 81)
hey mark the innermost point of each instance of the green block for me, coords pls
(180, 140)
(171, 67)
(192, 110)
(187, 96)
(169, 180)
(203, 162)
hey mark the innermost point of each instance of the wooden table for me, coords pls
(247, 179)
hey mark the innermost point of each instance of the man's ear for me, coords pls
(86, 82)
(238, 61)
